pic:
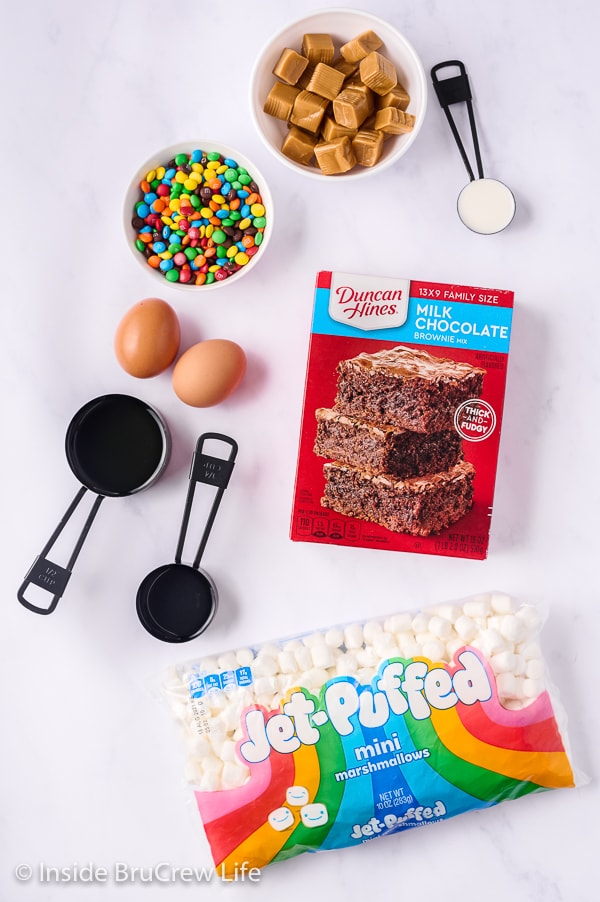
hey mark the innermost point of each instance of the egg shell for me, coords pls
(147, 338)
(209, 372)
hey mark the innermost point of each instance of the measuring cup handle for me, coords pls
(48, 575)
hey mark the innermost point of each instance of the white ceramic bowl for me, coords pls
(160, 158)
(342, 25)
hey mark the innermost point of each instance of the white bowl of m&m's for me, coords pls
(338, 94)
(198, 215)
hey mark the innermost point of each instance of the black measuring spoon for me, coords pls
(176, 602)
(484, 205)
(116, 445)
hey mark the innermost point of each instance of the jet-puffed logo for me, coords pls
(368, 302)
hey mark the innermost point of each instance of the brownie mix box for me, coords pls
(402, 415)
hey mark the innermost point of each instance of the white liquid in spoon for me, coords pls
(486, 206)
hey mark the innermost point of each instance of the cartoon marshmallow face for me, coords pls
(297, 795)
(314, 815)
(281, 819)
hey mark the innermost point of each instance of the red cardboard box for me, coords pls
(402, 415)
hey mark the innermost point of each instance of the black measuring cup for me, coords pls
(116, 445)
(176, 602)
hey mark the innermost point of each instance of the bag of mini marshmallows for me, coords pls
(333, 738)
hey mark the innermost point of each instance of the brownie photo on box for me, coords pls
(405, 387)
(397, 458)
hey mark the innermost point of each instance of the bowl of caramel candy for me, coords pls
(338, 94)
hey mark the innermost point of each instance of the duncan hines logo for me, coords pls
(368, 302)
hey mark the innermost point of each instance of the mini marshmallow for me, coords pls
(420, 623)
(193, 771)
(364, 675)
(334, 638)
(371, 629)
(466, 628)
(322, 655)
(244, 657)
(452, 647)
(383, 644)
(492, 641)
(519, 665)
(265, 685)
(450, 612)
(346, 664)
(264, 665)
(293, 645)
(399, 623)
(503, 662)
(367, 657)
(303, 659)
(477, 607)
(509, 686)
(228, 661)
(234, 775)
(512, 628)
(212, 765)
(314, 678)
(440, 627)
(534, 669)
(529, 650)
(353, 636)
(227, 752)
(314, 639)
(287, 662)
(434, 650)
(210, 782)
(502, 603)
(532, 688)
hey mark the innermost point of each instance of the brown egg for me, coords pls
(147, 338)
(209, 372)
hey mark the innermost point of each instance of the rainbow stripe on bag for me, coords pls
(421, 743)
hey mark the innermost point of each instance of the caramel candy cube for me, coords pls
(325, 81)
(394, 121)
(359, 47)
(330, 129)
(280, 100)
(290, 66)
(367, 145)
(318, 48)
(306, 76)
(344, 66)
(336, 156)
(299, 146)
(308, 111)
(398, 97)
(378, 73)
(351, 107)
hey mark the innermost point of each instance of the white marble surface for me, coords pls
(90, 764)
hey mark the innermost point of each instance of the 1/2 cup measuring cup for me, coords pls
(116, 445)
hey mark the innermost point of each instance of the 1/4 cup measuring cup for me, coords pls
(116, 445)
(176, 602)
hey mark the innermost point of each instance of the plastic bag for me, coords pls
(337, 737)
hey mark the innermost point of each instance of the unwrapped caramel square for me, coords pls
(318, 48)
(280, 100)
(378, 73)
(331, 129)
(360, 46)
(326, 81)
(308, 111)
(290, 66)
(335, 156)
(351, 107)
(367, 145)
(394, 121)
(397, 97)
(299, 146)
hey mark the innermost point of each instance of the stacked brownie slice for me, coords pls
(397, 458)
